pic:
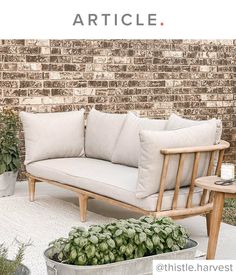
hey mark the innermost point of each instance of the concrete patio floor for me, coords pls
(195, 225)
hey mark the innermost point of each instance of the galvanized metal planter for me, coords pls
(22, 270)
(7, 183)
(130, 267)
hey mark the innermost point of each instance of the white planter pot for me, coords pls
(7, 183)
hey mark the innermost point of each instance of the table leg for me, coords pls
(216, 218)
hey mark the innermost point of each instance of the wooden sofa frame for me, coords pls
(205, 206)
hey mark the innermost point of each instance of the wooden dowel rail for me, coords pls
(209, 172)
(178, 181)
(220, 159)
(162, 183)
(194, 175)
(173, 151)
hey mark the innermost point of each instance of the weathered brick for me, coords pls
(121, 60)
(53, 100)
(72, 51)
(38, 58)
(14, 92)
(62, 92)
(9, 84)
(100, 59)
(76, 84)
(195, 78)
(124, 76)
(7, 75)
(56, 51)
(15, 42)
(52, 67)
(29, 67)
(41, 42)
(84, 91)
(29, 50)
(9, 67)
(103, 76)
(54, 84)
(97, 84)
(45, 50)
(38, 92)
(35, 76)
(30, 84)
(10, 101)
(69, 67)
(14, 58)
(116, 68)
(60, 59)
(30, 100)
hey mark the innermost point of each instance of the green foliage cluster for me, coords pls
(119, 241)
(9, 267)
(9, 152)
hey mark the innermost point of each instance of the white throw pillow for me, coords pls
(102, 133)
(127, 148)
(53, 135)
(151, 159)
(177, 122)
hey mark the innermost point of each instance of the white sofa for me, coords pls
(119, 158)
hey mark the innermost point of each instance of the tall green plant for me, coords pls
(9, 141)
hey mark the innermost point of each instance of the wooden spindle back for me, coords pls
(213, 151)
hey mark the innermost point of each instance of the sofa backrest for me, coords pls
(53, 135)
(102, 132)
(176, 122)
(127, 148)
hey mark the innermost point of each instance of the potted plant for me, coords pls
(122, 247)
(15, 266)
(9, 153)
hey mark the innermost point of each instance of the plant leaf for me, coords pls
(3, 168)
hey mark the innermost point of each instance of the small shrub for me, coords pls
(118, 241)
(8, 267)
(9, 152)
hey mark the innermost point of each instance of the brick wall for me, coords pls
(155, 77)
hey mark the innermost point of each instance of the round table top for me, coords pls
(209, 184)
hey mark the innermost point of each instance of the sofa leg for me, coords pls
(83, 203)
(208, 223)
(31, 183)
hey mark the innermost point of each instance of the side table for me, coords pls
(220, 192)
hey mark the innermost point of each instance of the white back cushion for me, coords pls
(127, 148)
(151, 159)
(177, 122)
(102, 133)
(53, 135)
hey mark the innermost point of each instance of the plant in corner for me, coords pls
(9, 152)
(13, 267)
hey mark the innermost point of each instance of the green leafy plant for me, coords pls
(118, 241)
(8, 267)
(9, 141)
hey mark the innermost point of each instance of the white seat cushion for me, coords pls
(102, 133)
(53, 135)
(104, 178)
(177, 122)
(127, 148)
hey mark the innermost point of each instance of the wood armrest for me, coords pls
(172, 151)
